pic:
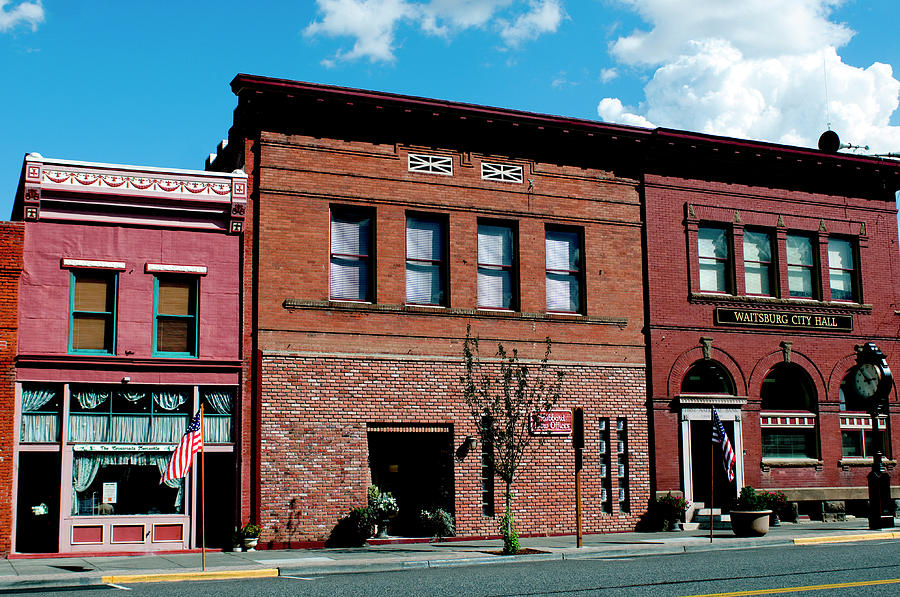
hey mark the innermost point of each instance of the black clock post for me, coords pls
(873, 382)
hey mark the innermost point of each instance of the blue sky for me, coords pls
(147, 82)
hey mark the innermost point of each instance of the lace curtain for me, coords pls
(217, 423)
(89, 399)
(86, 466)
(38, 427)
(220, 401)
(127, 429)
(168, 400)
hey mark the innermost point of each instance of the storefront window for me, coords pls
(122, 483)
(40, 413)
(218, 406)
(132, 415)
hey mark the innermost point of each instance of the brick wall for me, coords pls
(314, 469)
(11, 241)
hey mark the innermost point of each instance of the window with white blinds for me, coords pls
(426, 282)
(564, 270)
(351, 255)
(841, 270)
(496, 266)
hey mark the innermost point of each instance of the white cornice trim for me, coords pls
(152, 268)
(93, 263)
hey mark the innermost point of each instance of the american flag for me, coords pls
(721, 438)
(183, 456)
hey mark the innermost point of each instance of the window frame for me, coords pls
(853, 245)
(728, 261)
(770, 266)
(513, 268)
(358, 214)
(442, 264)
(195, 316)
(578, 274)
(111, 315)
(813, 268)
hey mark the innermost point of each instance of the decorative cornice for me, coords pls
(152, 268)
(775, 302)
(93, 264)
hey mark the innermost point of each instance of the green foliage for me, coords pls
(437, 523)
(352, 530)
(670, 508)
(382, 504)
(250, 530)
(510, 535)
(751, 501)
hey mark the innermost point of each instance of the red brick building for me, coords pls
(766, 266)
(128, 321)
(382, 226)
(11, 238)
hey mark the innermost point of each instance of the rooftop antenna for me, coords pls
(825, 83)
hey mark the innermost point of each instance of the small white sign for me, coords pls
(109, 492)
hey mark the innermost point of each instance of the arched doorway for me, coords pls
(707, 385)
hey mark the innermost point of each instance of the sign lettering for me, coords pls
(784, 319)
(551, 422)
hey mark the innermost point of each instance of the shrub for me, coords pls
(776, 501)
(352, 530)
(382, 504)
(437, 523)
(672, 507)
(250, 530)
(510, 535)
(750, 500)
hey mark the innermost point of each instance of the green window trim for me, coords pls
(109, 314)
(191, 317)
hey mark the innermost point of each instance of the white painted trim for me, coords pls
(703, 414)
(154, 169)
(152, 268)
(93, 263)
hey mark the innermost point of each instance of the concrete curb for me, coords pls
(846, 538)
(193, 575)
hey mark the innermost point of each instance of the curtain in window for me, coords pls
(495, 261)
(86, 466)
(129, 429)
(88, 428)
(800, 262)
(38, 427)
(840, 269)
(168, 400)
(424, 254)
(714, 253)
(168, 429)
(563, 253)
(89, 399)
(220, 401)
(757, 261)
(350, 240)
(132, 396)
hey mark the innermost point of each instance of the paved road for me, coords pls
(871, 568)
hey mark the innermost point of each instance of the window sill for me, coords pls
(301, 304)
(768, 463)
(808, 304)
(847, 461)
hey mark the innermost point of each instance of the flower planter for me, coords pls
(250, 543)
(754, 523)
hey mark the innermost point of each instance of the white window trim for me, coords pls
(787, 420)
(430, 164)
(92, 264)
(502, 172)
(166, 268)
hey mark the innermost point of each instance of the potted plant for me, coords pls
(777, 502)
(750, 516)
(383, 508)
(671, 510)
(250, 532)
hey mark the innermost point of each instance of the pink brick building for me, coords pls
(128, 322)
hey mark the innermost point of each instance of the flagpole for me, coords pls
(202, 494)
(712, 476)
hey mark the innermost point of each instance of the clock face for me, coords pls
(866, 380)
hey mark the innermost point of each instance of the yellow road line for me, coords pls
(846, 538)
(199, 575)
(840, 585)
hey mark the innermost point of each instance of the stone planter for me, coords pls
(750, 523)
(250, 543)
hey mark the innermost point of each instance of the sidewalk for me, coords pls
(90, 570)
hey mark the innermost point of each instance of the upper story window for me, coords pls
(93, 311)
(175, 309)
(565, 269)
(496, 266)
(758, 262)
(715, 259)
(707, 377)
(426, 259)
(351, 255)
(801, 266)
(841, 270)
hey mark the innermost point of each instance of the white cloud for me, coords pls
(373, 23)
(544, 17)
(25, 12)
(755, 69)
(608, 74)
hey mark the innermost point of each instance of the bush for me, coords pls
(382, 504)
(672, 507)
(776, 501)
(511, 539)
(437, 523)
(352, 530)
(749, 500)
(250, 530)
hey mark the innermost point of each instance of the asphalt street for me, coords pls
(870, 568)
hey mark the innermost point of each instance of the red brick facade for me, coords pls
(780, 191)
(11, 240)
(325, 370)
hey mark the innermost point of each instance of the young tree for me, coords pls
(502, 396)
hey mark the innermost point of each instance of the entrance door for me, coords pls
(707, 467)
(418, 469)
(37, 503)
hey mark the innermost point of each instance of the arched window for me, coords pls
(707, 377)
(856, 427)
(788, 416)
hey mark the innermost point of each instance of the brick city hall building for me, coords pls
(674, 272)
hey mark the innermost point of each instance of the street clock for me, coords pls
(872, 378)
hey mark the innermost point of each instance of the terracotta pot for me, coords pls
(750, 523)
